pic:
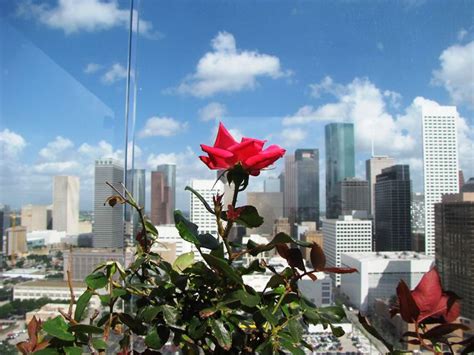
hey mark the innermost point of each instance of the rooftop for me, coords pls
(51, 283)
(390, 255)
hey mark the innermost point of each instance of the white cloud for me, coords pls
(228, 69)
(74, 16)
(92, 68)
(162, 126)
(293, 136)
(364, 104)
(56, 148)
(115, 73)
(212, 111)
(57, 167)
(11, 144)
(462, 34)
(456, 73)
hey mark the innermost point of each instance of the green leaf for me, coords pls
(150, 312)
(196, 328)
(150, 228)
(202, 199)
(57, 327)
(248, 217)
(170, 314)
(153, 340)
(187, 230)
(47, 351)
(86, 328)
(289, 345)
(253, 267)
(73, 350)
(275, 280)
(224, 267)
(337, 331)
(183, 261)
(221, 334)
(117, 292)
(96, 280)
(246, 298)
(208, 241)
(99, 344)
(133, 323)
(81, 304)
(333, 313)
(285, 238)
(295, 329)
(269, 316)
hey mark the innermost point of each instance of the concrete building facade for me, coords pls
(373, 167)
(66, 204)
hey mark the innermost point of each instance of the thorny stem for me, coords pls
(71, 291)
(422, 341)
(228, 227)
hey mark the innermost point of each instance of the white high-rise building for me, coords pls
(373, 167)
(198, 213)
(440, 162)
(108, 228)
(345, 235)
(66, 204)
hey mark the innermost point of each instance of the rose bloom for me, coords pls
(227, 153)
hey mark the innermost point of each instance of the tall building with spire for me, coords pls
(374, 167)
(108, 227)
(440, 162)
(340, 161)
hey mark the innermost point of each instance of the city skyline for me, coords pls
(301, 86)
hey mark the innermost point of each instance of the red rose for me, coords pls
(427, 302)
(227, 152)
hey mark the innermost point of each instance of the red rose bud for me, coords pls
(217, 199)
(227, 152)
(428, 301)
(233, 213)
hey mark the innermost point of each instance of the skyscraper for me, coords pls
(163, 194)
(392, 209)
(34, 217)
(340, 161)
(108, 228)
(307, 186)
(4, 223)
(66, 204)
(373, 167)
(270, 206)
(454, 235)
(198, 213)
(289, 191)
(440, 162)
(345, 235)
(352, 194)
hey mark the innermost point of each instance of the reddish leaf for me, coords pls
(318, 259)
(413, 341)
(410, 334)
(408, 307)
(24, 347)
(312, 276)
(444, 329)
(295, 259)
(283, 250)
(340, 270)
(42, 345)
(33, 328)
(427, 294)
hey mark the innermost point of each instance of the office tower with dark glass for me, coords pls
(340, 161)
(352, 195)
(307, 186)
(108, 228)
(392, 209)
(373, 167)
(454, 236)
(136, 186)
(163, 194)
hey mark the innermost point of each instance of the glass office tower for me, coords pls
(340, 161)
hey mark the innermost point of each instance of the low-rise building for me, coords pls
(52, 289)
(378, 274)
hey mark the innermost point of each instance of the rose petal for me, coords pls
(224, 138)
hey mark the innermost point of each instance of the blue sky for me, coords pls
(274, 70)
